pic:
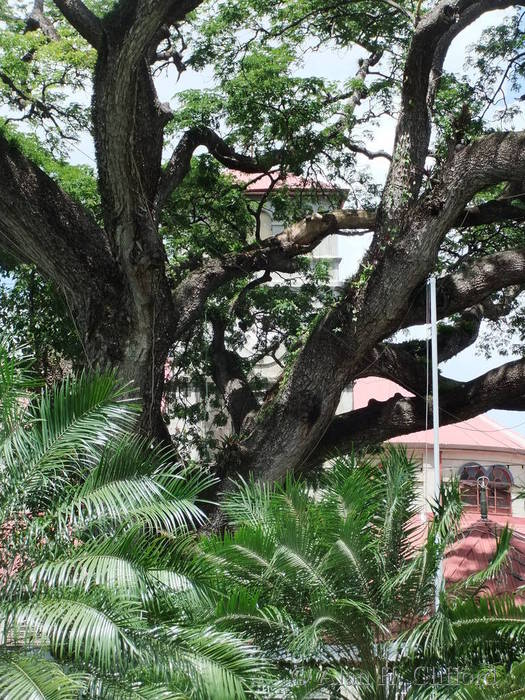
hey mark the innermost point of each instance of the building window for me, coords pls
(498, 485)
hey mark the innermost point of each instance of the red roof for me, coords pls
(475, 548)
(260, 183)
(474, 433)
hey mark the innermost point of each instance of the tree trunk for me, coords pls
(115, 275)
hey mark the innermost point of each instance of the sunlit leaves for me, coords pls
(42, 82)
(99, 568)
(499, 64)
(35, 678)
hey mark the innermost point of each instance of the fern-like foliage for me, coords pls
(98, 556)
(338, 585)
(107, 591)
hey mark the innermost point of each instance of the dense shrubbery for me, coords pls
(99, 564)
(108, 591)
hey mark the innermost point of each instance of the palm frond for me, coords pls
(248, 503)
(219, 664)
(350, 556)
(241, 611)
(476, 581)
(446, 513)
(85, 628)
(352, 483)
(136, 482)
(88, 570)
(108, 689)
(468, 624)
(132, 560)
(400, 506)
(245, 555)
(16, 378)
(64, 430)
(30, 677)
(432, 638)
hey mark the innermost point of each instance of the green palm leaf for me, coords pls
(107, 689)
(85, 628)
(34, 678)
(248, 503)
(134, 482)
(88, 570)
(133, 561)
(220, 665)
(15, 380)
(67, 428)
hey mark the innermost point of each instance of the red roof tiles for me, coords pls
(260, 183)
(475, 548)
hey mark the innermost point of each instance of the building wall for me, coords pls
(327, 250)
(453, 459)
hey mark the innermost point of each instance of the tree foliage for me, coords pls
(153, 245)
(97, 560)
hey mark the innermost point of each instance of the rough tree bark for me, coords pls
(129, 316)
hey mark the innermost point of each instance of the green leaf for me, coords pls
(34, 678)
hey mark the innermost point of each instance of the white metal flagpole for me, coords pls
(435, 415)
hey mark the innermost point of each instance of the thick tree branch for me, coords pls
(137, 24)
(472, 284)
(503, 387)
(371, 155)
(405, 363)
(274, 254)
(492, 159)
(495, 211)
(454, 337)
(375, 304)
(395, 362)
(426, 54)
(179, 162)
(241, 296)
(83, 20)
(413, 127)
(470, 13)
(495, 308)
(37, 20)
(128, 128)
(40, 224)
(229, 377)
(129, 124)
(495, 158)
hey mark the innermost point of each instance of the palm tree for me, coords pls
(337, 585)
(106, 591)
(97, 552)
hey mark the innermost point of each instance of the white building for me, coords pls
(481, 454)
(314, 195)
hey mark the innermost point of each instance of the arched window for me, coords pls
(499, 483)
(468, 478)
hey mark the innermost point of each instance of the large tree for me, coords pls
(151, 261)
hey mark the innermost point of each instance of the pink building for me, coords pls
(478, 447)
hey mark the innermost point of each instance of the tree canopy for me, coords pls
(152, 253)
